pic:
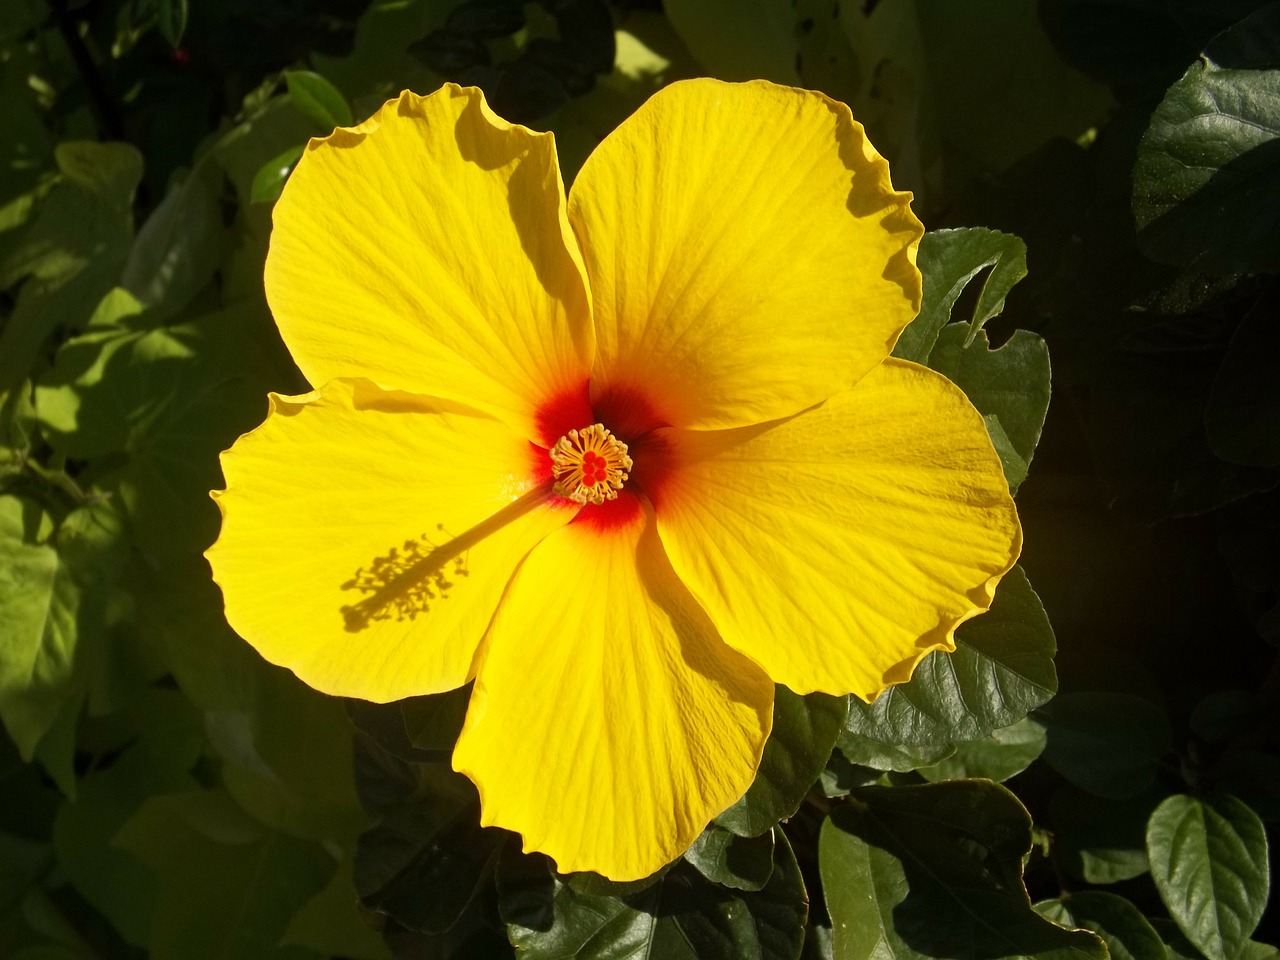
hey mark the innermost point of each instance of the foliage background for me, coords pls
(164, 792)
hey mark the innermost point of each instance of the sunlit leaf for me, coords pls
(998, 756)
(53, 604)
(1009, 385)
(72, 252)
(1209, 861)
(1207, 179)
(1002, 669)
(949, 260)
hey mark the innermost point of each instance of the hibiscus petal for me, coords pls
(608, 722)
(838, 547)
(331, 513)
(428, 250)
(716, 209)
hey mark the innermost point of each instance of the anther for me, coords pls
(589, 465)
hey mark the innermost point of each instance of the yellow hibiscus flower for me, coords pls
(625, 460)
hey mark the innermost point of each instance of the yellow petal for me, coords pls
(428, 250)
(748, 256)
(608, 722)
(836, 548)
(332, 511)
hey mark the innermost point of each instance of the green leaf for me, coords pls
(936, 871)
(681, 916)
(1109, 744)
(318, 100)
(172, 399)
(951, 92)
(53, 596)
(1180, 947)
(434, 722)
(1098, 840)
(743, 863)
(1002, 668)
(268, 183)
(948, 260)
(178, 249)
(1206, 184)
(1005, 753)
(329, 923)
(228, 885)
(1244, 403)
(22, 863)
(1118, 922)
(888, 756)
(1209, 861)
(1147, 428)
(171, 19)
(424, 864)
(73, 251)
(739, 39)
(1010, 386)
(804, 732)
(170, 740)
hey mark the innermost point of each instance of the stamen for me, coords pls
(589, 465)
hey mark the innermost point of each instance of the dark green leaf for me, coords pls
(936, 871)
(736, 40)
(888, 756)
(1102, 841)
(228, 885)
(804, 732)
(424, 864)
(171, 19)
(682, 916)
(1206, 185)
(1180, 948)
(318, 100)
(1209, 861)
(329, 923)
(1002, 668)
(1244, 404)
(432, 723)
(170, 739)
(177, 250)
(172, 399)
(72, 252)
(743, 863)
(268, 182)
(1109, 744)
(1147, 429)
(22, 863)
(948, 260)
(1009, 385)
(1005, 753)
(1223, 714)
(486, 19)
(1118, 922)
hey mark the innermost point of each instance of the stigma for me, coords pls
(589, 465)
